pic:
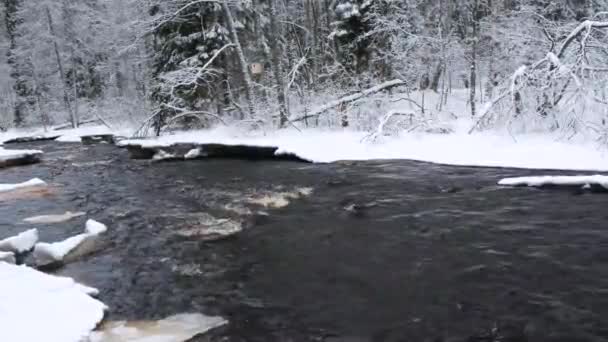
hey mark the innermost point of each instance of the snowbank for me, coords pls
(479, 149)
(20, 243)
(539, 181)
(38, 307)
(30, 183)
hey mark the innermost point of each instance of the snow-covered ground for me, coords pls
(38, 307)
(65, 135)
(538, 181)
(458, 148)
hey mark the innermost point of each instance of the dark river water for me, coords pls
(380, 251)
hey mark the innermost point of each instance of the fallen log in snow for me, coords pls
(348, 99)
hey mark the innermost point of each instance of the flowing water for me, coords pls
(353, 251)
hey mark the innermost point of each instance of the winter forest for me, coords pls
(380, 66)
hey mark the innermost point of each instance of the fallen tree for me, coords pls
(348, 99)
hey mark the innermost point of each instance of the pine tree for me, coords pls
(21, 67)
(352, 25)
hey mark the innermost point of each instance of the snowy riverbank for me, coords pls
(479, 149)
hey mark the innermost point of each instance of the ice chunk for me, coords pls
(20, 243)
(95, 228)
(57, 252)
(30, 183)
(49, 253)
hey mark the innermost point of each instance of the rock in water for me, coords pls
(178, 328)
(50, 219)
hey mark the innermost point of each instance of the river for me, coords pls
(378, 251)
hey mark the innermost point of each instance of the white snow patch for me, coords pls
(38, 307)
(30, 183)
(20, 243)
(8, 257)
(176, 328)
(538, 181)
(458, 148)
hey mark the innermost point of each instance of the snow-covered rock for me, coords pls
(49, 219)
(38, 307)
(8, 257)
(18, 157)
(20, 243)
(178, 328)
(59, 252)
(30, 183)
(540, 181)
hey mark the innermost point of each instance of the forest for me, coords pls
(371, 65)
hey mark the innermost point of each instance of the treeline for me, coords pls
(267, 63)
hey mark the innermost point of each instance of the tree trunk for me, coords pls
(276, 64)
(241, 58)
(66, 95)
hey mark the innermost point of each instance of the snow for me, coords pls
(30, 183)
(20, 243)
(6, 155)
(530, 151)
(538, 181)
(176, 328)
(38, 307)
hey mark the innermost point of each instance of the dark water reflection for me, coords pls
(427, 253)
